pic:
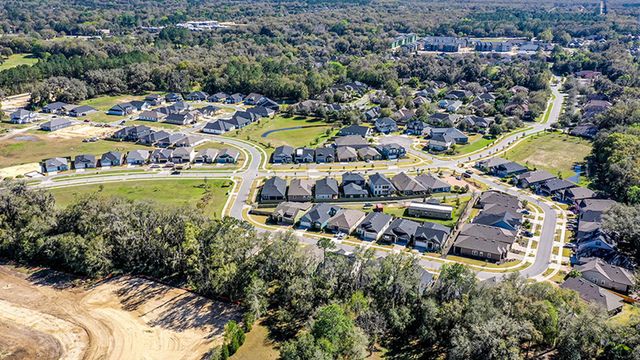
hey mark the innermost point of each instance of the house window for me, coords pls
(474, 252)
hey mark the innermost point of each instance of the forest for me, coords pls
(317, 303)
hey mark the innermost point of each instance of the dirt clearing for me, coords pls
(120, 318)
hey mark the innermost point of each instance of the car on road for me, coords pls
(175, 172)
(527, 233)
(468, 172)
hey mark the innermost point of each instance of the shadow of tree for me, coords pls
(52, 278)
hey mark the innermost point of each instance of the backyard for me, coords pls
(17, 60)
(104, 103)
(207, 195)
(293, 131)
(554, 152)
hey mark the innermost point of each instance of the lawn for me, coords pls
(161, 192)
(476, 142)
(35, 147)
(17, 60)
(553, 152)
(314, 133)
(104, 103)
(257, 345)
(624, 318)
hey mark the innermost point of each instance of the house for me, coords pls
(326, 189)
(430, 236)
(363, 131)
(391, 151)
(55, 108)
(85, 161)
(417, 127)
(140, 105)
(189, 141)
(400, 231)
(318, 217)
(493, 197)
(493, 46)
(121, 109)
(234, 99)
(183, 155)
(443, 43)
(218, 127)
(433, 184)
(490, 165)
(533, 179)
(420, 100)
(197, 96)
(218, 97)
(253, 99)
(161, 156)
(354, 191)
(386, 125)
(289, 213)
(353, 178)
(151, 115)
(379, 185)
(444, 120)
(345, 221)
(261, 111)
(588, 74)
(408, 186)
(173, 97)
(274, 189)
(169, 140)
(576, 194)
(55, 165)
(325, 154)
(132, 133)
(208, 110)
(56, 124)
(608, 276)
(111, 158)
(228, 156)
(153, 137)
(458, 94)
(442, 139)
(477, 122)
(403, 116)
(594, 294)
(369, 154)
(137, 157)
(427, 210)
(484, 242)
(499, 216)
(178, 107)
(180, 119)
(154, 99)
(300, 190)
(372, 113)
(304, 155)
(509, 169)
(206, 156)
(282, 155)
(353, 141)
(587, 131)
(22, 116)
(555, 187)
(346, 154)
(373, 226)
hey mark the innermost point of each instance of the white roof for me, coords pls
(426, 206)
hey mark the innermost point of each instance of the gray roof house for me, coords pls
(533, 178)
(151, 115)
(218, 127)
(373, 225)
(180, 119)
(282, 155)
(432, 183)
(111, 158)
(170, 139)
(495, 197)
(326, 189)
(22, 116)
(363, 131)
(386, 125)
(352, 177)
(228, 156)
(137, 157)
(318, 217)
(85, 161)
(484, 242)
(56, 124)
(345, 221)
(400, 231)
(206, 156)
(379, 185)
(55, 165)
(54, 108)
(304, 155)
(346, 154)
(300, 190)
(406, 185)
(121, 109)
(153, 137)
(353, 190)
(354, 141)
(608, 276)
(369, 154)
(161, 156)
(190, 141)
(430, 236)
(325, 154)
(499, 216)
(594, 294)
(509, 169)
(576, 194)
(197, 96)
(555, 187)
(489, 165)
(82, 110)
(274, 189)
(183, 155)
(391, 151)
(289, 213)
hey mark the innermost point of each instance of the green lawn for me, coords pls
(553, 152)
(162, 192)
(17, 60)
(257, 345)
(310, 136)
(34, 147)
(476, 142)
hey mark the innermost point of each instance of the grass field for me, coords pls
(162, 192)
(104, 103)
(17, 60)
(310, 136)
(553, 152)
(257, 345)
(36, 147)
(476, 142)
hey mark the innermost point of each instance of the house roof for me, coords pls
(346, 152)
(219, 125)
(354, 189)
(290, 209)
(229, 152)
(511, 167)
(351, 140)
(579, 193)
(378, 179)
(161, 154)
(111, 156)
(352, 176)
(85, 158)
(431, 182)
(355, 130)
(614, 273)
(432, 231)
(151, 114)
(138, 154)
(492, 162)
(325, 151)
(190, 140)
(557, 184)
(83, 109)
(320, 213)
(59, 161)
(485, 238)
(402, 227)
(492, 197)
(301, 187)
(495, 214)
(327, 186)
(592, 293)
(183, 152)
(346, 218)
(210, 153)
(535, 176)
(368, 151)
(375, 221)
(274, 186)
(404, 182)
(283, 150)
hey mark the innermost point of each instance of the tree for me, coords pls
(622, 224)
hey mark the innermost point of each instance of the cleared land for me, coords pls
(118, 318)
(17, 60)
(165, 193)
(553, 152)
(314, 134)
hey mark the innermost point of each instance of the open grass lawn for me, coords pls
(17, 60)
(553, 152)
(314, 133)
(624, 317)
(257, 345)
(34, 147)
(162, 192)
(476, 142)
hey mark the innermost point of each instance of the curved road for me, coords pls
(254, 168)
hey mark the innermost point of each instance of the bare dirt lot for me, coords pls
(43, 316)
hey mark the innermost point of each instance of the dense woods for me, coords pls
(322, 304)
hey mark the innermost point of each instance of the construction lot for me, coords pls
(44, 316)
